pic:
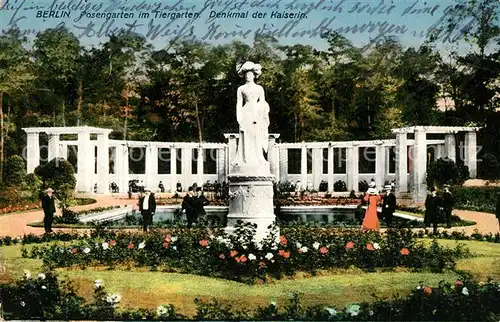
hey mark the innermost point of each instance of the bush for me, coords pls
(14, 171)
(489, 167)
(60, 176)
(340, 186)
(476, 198)
(446, 171)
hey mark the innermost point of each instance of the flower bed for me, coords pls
(476, 198)
(212, 253)
(178, 202)
(26, 206)
(44, 297)
(318, 201)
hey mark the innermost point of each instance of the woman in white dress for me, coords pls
(252, 113)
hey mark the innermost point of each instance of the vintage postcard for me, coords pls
(250, 160)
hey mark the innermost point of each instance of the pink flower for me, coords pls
(243, 258)
(167, 239)
(349, 245)
(233, 253)
(204, 243)
(459, 283)
(112, 243)
(323, 250)
(222, 256)
(404, 251)
(130, 246)
(369, 246)
(74, 250)
(165, 245)
(283, 240)
(286, 254)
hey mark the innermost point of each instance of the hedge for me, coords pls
(481, 199)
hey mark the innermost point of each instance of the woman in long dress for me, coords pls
(370, 222)
(252, 113)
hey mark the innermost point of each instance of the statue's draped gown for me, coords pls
(254, 122)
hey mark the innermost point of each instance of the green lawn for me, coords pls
(141, 288)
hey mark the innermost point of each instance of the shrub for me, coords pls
(340, 186)
(14, 171)
(476, 198)
(446, 171)
(489, 167)
(60, 176)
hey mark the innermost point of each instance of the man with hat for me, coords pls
(49, 209)
(448, 204)
(433, 204)
(147, 206)
(200, 202)
(188, 206)
(388, 205)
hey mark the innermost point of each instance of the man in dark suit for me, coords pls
(49, 209)
(147, 206)
(388, 205)
(188, 206)
(200, 202)
(433, 206)
(448, 204)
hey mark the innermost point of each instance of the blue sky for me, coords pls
(352, 13)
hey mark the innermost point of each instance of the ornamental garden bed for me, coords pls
(7, 208)
(212, 253)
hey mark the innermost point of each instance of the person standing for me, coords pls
(200, 202)
(147, 206)
(188, 206)
(370, 222)
(388, 205)
(161, 187)
(433, 206)
(448, 204)
(49, 209)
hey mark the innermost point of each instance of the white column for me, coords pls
(419, 165)
(471, 153)
(401, 162)
(352, 167)
(63, 151)
(173, 169)
(187, 159)
(32, 152)
(85, 163)
(232, 149)
(120, 169)
(303, 167)
(53, 148)
(283, 177)
(380, 168)
(152, 167)
(221, 165)
(102, 163)
(272, 156)
(317, 168)
(330, 168)
(199, 168)
(439, 151)
(449, 146)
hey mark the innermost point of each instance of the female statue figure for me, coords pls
(252, 113)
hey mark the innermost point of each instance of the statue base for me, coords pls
(251, 201)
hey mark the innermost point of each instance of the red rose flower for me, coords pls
(243, 258)
(130, 246)
(112, 243)
(404, 251)
(165, 245)
(167, 239)
(283, 240)
(349, 245)
(286, 254)
(237, 259)
(370, 246)
(281, 252)
(323, 250)
(74, 250)
(459, 283)
(204, 243)
(233, 253)
(427, 290)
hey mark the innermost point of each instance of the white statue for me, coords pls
(252, 113)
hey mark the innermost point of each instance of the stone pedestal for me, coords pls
(251, 200)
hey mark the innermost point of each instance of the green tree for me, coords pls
(14, 171)
(60, 176)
